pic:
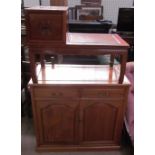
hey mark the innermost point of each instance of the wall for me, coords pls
(110, 6)
(74, 2)
(29, 3)
(45, 2)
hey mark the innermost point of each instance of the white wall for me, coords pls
(74, 2)
(30, 3)
(111, 7)
(45, 2)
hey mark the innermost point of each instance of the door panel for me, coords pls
(58, 121)
(46, 27)
(99, 119)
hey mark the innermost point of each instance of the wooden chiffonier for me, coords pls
(78, 107)
(75, 107)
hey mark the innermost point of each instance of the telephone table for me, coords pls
(82, 44)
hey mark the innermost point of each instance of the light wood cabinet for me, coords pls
(70, 115)
(75, 107)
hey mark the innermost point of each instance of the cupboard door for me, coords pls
(57, 121)
(100, 121)
(46, 26)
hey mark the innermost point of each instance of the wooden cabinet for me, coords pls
(75, 107)
(46, 25)
(78, 116)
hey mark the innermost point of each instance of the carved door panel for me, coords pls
(57, 121)
(100, 121)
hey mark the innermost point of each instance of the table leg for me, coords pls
(110, 74)
(122, 67)
(42, 59)
(112, 60)
(32, 65)
(60, 59)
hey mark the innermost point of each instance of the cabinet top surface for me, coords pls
(48, 8)
(95, 39)
(79, 74)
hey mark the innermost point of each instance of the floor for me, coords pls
(28, 143)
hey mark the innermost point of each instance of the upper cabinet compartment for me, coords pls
(46, 24)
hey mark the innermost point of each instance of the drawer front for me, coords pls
(102, 93)
(55, 92)
(47, 27)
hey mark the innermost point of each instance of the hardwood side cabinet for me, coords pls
(75, 107)
(74, 112)
(46, 25)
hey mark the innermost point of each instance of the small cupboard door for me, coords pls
(100, 121)
(57, 121)
(46, 26)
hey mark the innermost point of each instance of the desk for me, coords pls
(82, 44)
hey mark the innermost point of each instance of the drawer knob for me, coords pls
(45, 28)
(104, 94)
(57, 94)
(53, 94)
(60, 94)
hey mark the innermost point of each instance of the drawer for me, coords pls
(54, 92)
(46, 27)
(102, 93)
